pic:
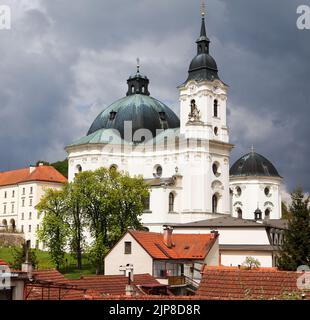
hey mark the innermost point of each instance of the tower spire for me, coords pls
(203, 41)
(138, 65)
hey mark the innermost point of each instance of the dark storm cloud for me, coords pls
(64, 61)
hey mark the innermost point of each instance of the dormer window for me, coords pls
(162, 116)
(112, 115)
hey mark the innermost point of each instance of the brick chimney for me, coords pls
(168, 236)
(214, 234)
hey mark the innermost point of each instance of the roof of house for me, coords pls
(52, 285)
(185, 246)
(229, 221)
(237, 284)
(3, 263)
(114, 284)
(40, 173)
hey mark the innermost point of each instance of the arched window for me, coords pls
(215, 108)
(12, 224)
(113, 167)
(146, 203)
(239, 211)
(171, 202)
(132, 89)
(267, 214)
(5, 223)
(79, 168)
(216, 131)
(239, 191)
(214, 203)
(143, 89)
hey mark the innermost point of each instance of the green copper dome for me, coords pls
(143, 111)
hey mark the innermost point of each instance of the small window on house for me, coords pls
(22, 228)
(31, 190)
(4, 208)
(23, 216)
(171, 202)
(38, 227)
(12, 208)
(37, 244)
(127, 247)
(5, 194)
(24, 191)
(30, 202)
(29, 228)
(30, 215)
(23, 202)
(13, 193)
(215, 108)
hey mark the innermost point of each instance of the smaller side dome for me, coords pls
(253, 164)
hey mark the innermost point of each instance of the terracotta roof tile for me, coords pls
(185, 246)
(3, 263)
(40, 173)
(234, 283)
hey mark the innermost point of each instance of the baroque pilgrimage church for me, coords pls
(186, 162)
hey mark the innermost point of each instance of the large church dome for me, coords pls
(253, 164)
(138, 107)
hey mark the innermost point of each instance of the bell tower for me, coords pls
(203, 95)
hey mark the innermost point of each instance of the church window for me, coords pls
(171, 202)
(267, 191)
(143, 89)
(216, 169)
(215, 108)
(267, 214)
(158, 171)
(79, 168)
(216, 131)
(162, 115)
(113, 167)
(214, 203)
(239, 191)
(146, 203)
(132, 89)
(239, 211)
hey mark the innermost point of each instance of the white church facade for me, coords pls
(185, 160)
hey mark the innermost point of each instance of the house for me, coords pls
(240, 238)
(232, 283)
(20, 192)
(168, 257)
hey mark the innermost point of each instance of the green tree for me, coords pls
(111, 202)
(285, 211)
(54, 229)
(19, 257)
(76, 221)
(295, 250)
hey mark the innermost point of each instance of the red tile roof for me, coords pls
(40, 173)
(3, 263)
(240, 284)
(185, 246)
(52, 285)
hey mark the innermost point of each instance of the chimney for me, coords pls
(168, 236)
(214, 234)
(27, 266)
(31, 168)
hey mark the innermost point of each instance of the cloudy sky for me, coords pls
(64, 61)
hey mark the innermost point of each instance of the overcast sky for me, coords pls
(64, 61)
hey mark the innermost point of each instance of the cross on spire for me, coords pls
(138, 65)
(203, 8)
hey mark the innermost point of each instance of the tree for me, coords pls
(54, 229)
(285, 212)
(76, 221)
(251, 263)
(295, 250)
(111, 202)
(19, 257)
